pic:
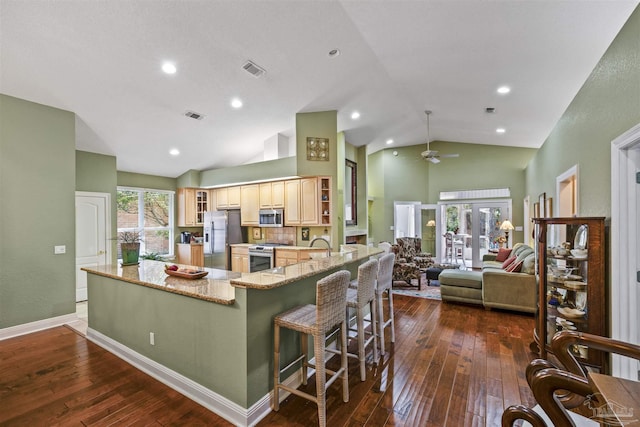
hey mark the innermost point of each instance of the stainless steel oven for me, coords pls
(261, 258)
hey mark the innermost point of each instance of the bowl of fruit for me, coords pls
(184, 272)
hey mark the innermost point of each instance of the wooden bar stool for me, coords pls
(384, 283)
(317, 320)
(359, 298)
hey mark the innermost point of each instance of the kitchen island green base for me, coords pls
(220, 355)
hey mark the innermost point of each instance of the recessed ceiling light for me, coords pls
(355, 115)
(174, 152)
(169, 68)
(504, 90)
(236, 103)
(333, 53)
(389, 141)
(501, 130)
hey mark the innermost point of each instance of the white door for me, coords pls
(92, 228)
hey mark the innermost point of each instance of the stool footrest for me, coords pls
(299, 358)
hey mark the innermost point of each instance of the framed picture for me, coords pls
(305, 233)
(257, 233)
(548, 207)
(541, 200)
(536, 210)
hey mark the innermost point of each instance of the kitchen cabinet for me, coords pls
(286, 257)
(186, 207)
(250, 205)
(240, 259)
(571, 278)
(228, 198)
(272, 195)
(292, 202)
(202, 200)
(190, 254)
(192, 204)
(308, 201)
(325, 200)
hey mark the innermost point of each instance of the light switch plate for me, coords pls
(61, 249)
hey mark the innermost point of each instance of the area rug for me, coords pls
(430, 292)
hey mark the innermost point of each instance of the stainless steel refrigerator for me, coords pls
(221, 229)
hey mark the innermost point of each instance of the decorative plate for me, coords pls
(571, 313)
(188, 274)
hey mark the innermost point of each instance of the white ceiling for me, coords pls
(102, 59)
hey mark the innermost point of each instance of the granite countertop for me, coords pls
(219, 285)
(280, 276)
(215, 287)
(242, 245)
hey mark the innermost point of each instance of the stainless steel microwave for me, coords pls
(271, 217)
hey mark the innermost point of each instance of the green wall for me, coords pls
(607, 105)
(269, 170)
(37, 190)
(408, 177)
(97, 173)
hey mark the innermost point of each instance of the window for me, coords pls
(151, 213)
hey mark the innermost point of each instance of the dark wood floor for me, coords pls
(451, 365)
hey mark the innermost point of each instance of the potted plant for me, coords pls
(130, 246)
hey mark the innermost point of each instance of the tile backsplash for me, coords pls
(284, 235)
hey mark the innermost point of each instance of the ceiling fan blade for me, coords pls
(449, 155)
(433, 160)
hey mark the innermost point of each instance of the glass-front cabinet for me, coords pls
(572, 292)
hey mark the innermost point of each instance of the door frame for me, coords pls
(476, 204)
(624, 249)
(561, 181)
(107, 220)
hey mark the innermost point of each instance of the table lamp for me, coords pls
(506, 226)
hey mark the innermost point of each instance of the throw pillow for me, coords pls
(503, 254)
(529, 264)
(514, 267)
(508, 262)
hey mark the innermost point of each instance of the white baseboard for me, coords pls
(38, 325)
(211, 400)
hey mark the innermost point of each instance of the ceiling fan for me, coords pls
(432, 155)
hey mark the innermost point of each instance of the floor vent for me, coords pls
(194, 115)
(253, 69)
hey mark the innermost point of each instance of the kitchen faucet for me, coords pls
(324, 240)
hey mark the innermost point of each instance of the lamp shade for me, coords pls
(506, 225)
(431, 223)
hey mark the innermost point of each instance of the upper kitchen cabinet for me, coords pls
(272, 195)
(307, 200)
(250, 204)
(292, 202)
(203, 204)
(186, 207)
(228, 198)
(192, 204)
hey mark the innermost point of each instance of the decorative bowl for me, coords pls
(561, 272)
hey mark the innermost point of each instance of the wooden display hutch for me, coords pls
(572, 292)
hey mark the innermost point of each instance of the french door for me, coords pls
(474, 226)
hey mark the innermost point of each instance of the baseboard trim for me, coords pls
(211, 400)
(38, 325)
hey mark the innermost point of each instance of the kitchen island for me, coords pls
(210, 338)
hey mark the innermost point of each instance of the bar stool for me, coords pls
(384, 282)
(317, 320)
(360, 297)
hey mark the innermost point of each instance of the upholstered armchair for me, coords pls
(410, 261)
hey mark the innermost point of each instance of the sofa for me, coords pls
(509, 284)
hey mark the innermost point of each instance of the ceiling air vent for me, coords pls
(253, 69)
(490, 110)
(194, 115)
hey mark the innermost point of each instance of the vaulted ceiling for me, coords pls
(102, 60)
